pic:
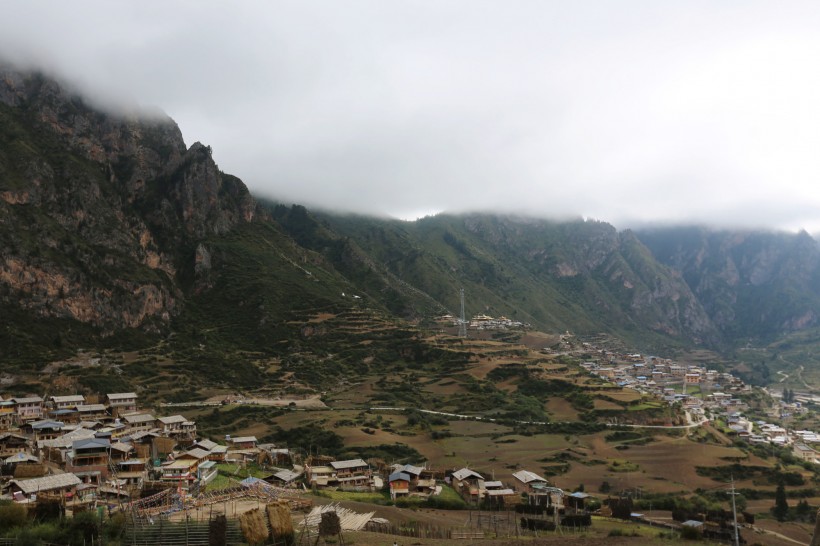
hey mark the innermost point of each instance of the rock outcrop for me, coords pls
(96, 208)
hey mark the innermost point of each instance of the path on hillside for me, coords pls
(492, 420)
(761, 530)
(306, 402)
(798, 373)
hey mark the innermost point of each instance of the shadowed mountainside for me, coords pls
(113, 233)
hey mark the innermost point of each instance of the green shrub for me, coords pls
(12, 516)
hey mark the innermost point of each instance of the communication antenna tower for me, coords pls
(462, 322)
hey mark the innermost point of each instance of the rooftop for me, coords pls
(47, 483)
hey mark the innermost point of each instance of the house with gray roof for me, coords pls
(60, 484)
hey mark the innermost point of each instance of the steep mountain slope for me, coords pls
(114, 234)
(583, 276)
(110, 226)
(753, 285)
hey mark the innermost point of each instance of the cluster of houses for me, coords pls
(485, 322)
(801, 442)
(81, 450)
(528, 488)
(656, 375)
(84, 451)
(696, 388)
(716, 394)
(406, 480)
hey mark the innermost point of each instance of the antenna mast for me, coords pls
(462, 322)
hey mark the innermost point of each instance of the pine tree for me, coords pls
(780, 510)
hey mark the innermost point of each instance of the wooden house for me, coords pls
(171, 425)
(89, 455)
(352, 473)
(8, 417)
(399, 483)
(241, 442)
(92, 412)
(61, 485)
(502, 497)
(139, 422)
(131, 474)
(28, 408)
(12, 443)
(528, 480)
(121, 402)
(23, 465)
(320, 475)
(63, 402)
(45, 429)
(180, 472)
(469, 484)
(56, 450)
(284, 478)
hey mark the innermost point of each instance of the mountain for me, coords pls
(582, 276)
(753, 285)
(118, 239)
(113, 231)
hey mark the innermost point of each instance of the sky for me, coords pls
(630, 112)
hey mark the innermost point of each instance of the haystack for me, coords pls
(218, 531)
(29, 471)
(330, 524)
(280, 520)
(254, 527)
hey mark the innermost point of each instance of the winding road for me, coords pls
(491, 420)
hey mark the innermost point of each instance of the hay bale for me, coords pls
(254, 527)
(218, 531)
(330, 525)
(281, 523)
(143, 451)
(30, 470)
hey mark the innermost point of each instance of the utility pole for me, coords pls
(734, 511)
(462, 321)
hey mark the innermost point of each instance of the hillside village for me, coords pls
(711, 395)
(112, 452)
(106, 449)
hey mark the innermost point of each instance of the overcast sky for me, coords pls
(624, 111)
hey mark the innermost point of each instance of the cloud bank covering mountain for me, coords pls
(629, 112)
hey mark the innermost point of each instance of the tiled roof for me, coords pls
(89, 443)
(121, 395)
(139, 418)
(465, 473)
(243, 439)
(352, 463)
(172, 419)
(47, 483)
(27, 400)
(525, 476)
(70, 398)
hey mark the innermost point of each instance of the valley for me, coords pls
(655, 366)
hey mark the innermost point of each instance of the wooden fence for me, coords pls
(184, 533)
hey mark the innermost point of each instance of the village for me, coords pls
(707, 395)
(113, 454)
(107, 451)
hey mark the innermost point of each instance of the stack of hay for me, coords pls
(281, 523)
(254, 527)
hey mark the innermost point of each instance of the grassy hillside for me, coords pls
(581, 276)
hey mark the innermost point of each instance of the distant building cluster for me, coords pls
(486, 322)
(84, 452)
(716, 393)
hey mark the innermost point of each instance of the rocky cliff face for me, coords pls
(97, 209)
(752, 284)
(612, 274)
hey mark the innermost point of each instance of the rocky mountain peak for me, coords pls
(104, 204)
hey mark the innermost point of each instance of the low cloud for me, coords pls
(684, 112)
